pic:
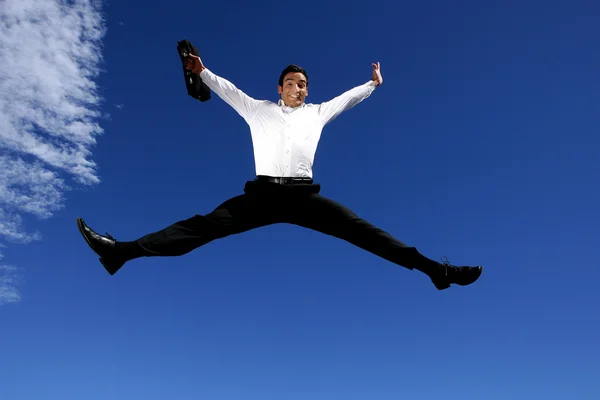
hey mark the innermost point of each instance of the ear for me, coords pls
(279, 89)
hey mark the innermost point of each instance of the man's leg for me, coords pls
(236, 215)
(329, 217)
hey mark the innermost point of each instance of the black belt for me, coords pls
(283, 180)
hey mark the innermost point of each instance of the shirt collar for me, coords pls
(285, 108)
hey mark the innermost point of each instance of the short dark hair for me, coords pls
(292, 68)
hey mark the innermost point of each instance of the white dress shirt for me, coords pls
(284, 139)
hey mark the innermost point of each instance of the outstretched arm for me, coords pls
(245, 105)
(329, 110)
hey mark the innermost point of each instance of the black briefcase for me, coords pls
(195, 87)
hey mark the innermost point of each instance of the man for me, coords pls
(285, 137)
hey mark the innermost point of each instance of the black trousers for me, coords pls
(266, 203)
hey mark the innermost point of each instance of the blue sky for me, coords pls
(481, 145)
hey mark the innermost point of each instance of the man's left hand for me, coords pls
(377, 78)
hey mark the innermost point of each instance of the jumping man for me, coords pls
(285, 136)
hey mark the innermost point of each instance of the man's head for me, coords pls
(293, 85)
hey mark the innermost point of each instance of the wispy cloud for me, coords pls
(50, 52)
(8, 285)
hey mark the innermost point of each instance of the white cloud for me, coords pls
(8, 285)
(50, 52)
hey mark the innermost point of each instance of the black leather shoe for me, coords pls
(103, 246)
(449, 274)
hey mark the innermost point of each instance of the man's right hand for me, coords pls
(194, 64)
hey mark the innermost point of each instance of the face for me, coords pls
(294, 89)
